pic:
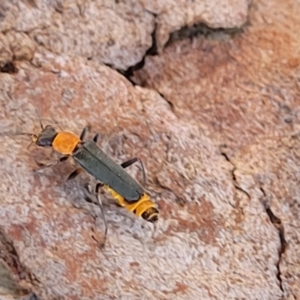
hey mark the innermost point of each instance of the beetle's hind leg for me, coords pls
(97, 189)
(94, 197)
(131, 162)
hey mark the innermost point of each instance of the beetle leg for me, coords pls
(103, 216)
(132, 161)
(96, 137)
(74, 174)
(91, 197)
(99, 185)
(44, 166)
(83, 132)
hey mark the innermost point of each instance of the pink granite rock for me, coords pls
(215, 120)
(117, 33)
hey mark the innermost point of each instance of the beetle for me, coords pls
(124, 189)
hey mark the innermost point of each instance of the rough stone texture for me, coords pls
(193, 249)
(114, 33)
(216, 122)
(243, 92)
(117, 33)
(173, 15)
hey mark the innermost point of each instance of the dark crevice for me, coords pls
(184, 32)
(11, 265)
(280, 229)
(8, 67)
(151, 51)
(235, 183)
(172, 107)
(201, 29)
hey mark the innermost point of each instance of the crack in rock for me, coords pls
(273, 218)
(234, 179)
(152, 51)
(280, 229)
(201, 29)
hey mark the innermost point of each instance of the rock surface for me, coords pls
(243, 92)
(117, 33)
(215, 120)
(172, 15)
